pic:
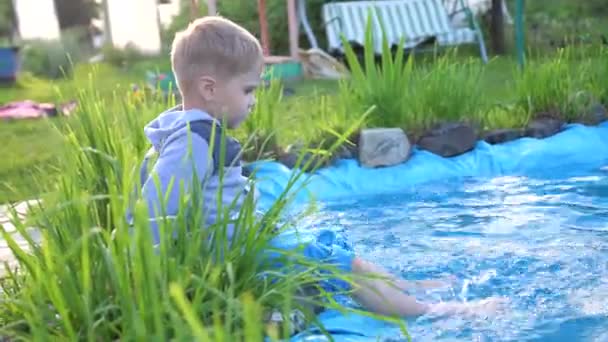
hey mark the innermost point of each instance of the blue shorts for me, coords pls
(326, 247)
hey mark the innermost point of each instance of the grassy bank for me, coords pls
(411, 94)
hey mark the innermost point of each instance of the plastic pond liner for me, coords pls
(526, 219)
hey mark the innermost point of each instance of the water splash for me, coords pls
(541, 242)
(479, 280)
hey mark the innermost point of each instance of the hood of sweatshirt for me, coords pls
(170, 122)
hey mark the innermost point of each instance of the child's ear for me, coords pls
(206, 87)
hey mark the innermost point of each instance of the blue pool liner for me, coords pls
(576, 148)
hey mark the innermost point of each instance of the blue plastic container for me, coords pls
(9, 63)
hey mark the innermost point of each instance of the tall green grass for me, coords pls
(414, 97)
(315, 122)
(383, 85)
(560, 86)
(502, 116)
(95, 277)
(598, 75)
(448, 90)
(260, 130)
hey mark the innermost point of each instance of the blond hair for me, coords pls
(216, 45)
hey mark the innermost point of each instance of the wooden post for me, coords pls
(212, 7)
(519, 33)
(194, 9)
(292, 18)
(265, 37)
(497, 27)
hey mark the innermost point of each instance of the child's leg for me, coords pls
(375, 289)
(383, 294)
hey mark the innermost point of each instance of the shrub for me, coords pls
(54, 59)
(504, 116)
(46, 59)
(121, 58)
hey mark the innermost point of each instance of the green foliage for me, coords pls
(7, 20)
(260, 128)
(504, 116)
(122, 58)
(597, 68)
(554, 87)
(46, 59)
(245, 13)
(447, 91)
(320, 121)
(95, 277)
(53, 59)
(414, 98)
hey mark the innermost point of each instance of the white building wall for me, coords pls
(37, 19)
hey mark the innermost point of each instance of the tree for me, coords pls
(497, 27)
(8, 20)
(74, 13)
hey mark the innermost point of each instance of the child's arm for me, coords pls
(183, 160)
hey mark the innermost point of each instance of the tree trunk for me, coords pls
(75, 13)
(497, 28)
(194, 9)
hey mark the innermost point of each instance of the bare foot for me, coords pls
(485, 307)
(489, 306)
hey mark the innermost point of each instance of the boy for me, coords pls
(217, 65)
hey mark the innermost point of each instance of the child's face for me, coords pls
(236, 96)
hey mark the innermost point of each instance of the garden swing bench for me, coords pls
(415, 21)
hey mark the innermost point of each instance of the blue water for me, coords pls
(527, 220)
(543, 243)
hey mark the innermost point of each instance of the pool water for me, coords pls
(541, 242)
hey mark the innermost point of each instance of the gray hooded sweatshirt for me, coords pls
(181, 141)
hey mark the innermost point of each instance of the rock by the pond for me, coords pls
(383, 147)
(595, 115)
(500, 136)
(543, 128)
(346, 151)
(449, 139)
(308, 162)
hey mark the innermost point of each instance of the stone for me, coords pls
(449, 139)
(500, 136)
(543, 128)
(346, 151)
(290, 160)
(383, 147)
(595, 115)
